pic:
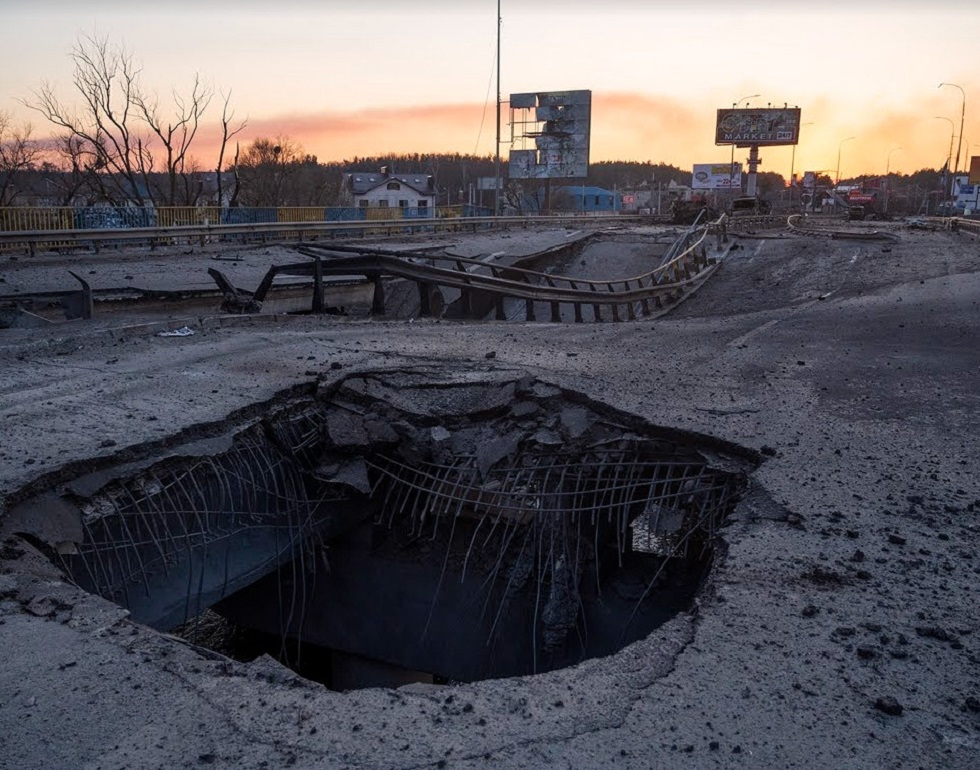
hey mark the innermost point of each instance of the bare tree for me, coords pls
(265, 169)
(229, 129)
(18, 153)
(129, 150)
(64, 170)
(175, 134)
(106, 79)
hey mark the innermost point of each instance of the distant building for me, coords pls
(966, 196)
(571, 198)
(415, 194)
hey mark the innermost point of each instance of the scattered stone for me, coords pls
(548, 438)
(809, 611)
(353, 474)
(935, 632)
(822, 576)
(524, 409)
(107, 443)
(867, 653)
(767, 450)
(544, 391)
(439, 433)
(492, 354)
(335, 365)
(858, 556)
(874, 628)
(896, 540)
(890, 706)
(489, 453)
(575, 422)
(972, 705)
(345, 429)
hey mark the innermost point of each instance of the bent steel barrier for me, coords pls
(645, 294)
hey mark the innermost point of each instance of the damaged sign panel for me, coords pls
(758, 127)
(559, 124)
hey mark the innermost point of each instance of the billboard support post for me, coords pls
(754, 161)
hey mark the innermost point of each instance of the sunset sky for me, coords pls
(364, 78)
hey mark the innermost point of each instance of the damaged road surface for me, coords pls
(466, 527)
(741, 535)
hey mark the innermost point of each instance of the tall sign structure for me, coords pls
(558, 123)
(754, 128)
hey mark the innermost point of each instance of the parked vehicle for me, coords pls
(750, 206)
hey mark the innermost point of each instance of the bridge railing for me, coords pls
(32, 230)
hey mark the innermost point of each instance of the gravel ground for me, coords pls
(839, 629)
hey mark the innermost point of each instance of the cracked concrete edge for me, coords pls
(295, 715)
(18, 506)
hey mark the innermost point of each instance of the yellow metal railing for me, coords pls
(14, 218)
(188, 216)
(380, 214)
(301, 214)
(23, 218)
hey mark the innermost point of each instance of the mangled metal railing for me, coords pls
(801, 225)
(640, 295)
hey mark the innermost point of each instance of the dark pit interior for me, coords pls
(405, 526)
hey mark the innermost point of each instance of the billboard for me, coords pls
(761, 127)
(717, 176)
(558, 124)
(975, 170)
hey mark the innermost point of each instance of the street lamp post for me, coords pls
(949, 157)
(792, 160)
(731, 167)
(959, 144)
(839, 147)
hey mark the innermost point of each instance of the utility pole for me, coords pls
(496, 155)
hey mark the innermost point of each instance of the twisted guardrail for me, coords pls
(484, 286)
(800, 225)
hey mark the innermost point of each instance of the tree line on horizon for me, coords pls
(116, 145)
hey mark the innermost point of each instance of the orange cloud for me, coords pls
(625, 126)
